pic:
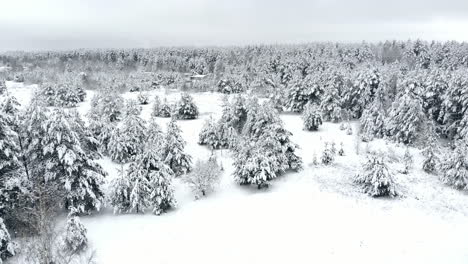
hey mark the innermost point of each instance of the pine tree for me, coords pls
(162, 194)
(48, 94)
(373, 119)
(361, 92)
(156, 110)
(165, 109)
(120, 189)
(151, 183)
(65, 96)
(75, 237)
(186, 108)
(204, 177)
(155, 135)
(7, 248)
(140, 187)
(408, 161)
(302, 91)
(67, 163)
(209, 135)
(375, 178)
(327, 155)
(331, 102)
(173, 152)
(128, 140)
(8, 147)
(455, 167)
(143, 98)
(3, 87)
(406, 118)
(108, 105)
(312, 117)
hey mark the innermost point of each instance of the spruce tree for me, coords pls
(331, 100)
(76, 240)
(7, 248)
(186, 108)
(373, 119)
(311, 117)
(455, 167)
(120, 189)
(204, 177)
(67, 163)
(302, 91)
(173, 152)
(209, 134)
(406, 118)
(375, 178)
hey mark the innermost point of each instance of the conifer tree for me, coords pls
(7, 248)
(120, 189)
(375, 178)
(302, 91)
(373, 119)
(331, 102)
(173, 152)
(75, 237)
(204, 177)
(455, 167)
(186, 108)
(312, 117)
(67, 163)
(406, 118)
(209, 134)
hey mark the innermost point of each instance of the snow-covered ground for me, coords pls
(315, 216)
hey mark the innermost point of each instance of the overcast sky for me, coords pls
(69, 24)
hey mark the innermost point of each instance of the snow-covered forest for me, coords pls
(311, 153)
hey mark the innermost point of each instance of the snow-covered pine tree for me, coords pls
(120, 189)
(160, 178)
(361, 92)
(155, 135)
(47, 93)
(173, 152)
(67, 163)
(7, 248)
(331, 101)
(143, 98)
(209, 134)
(204, 177)
(406, 118)
(373, 119)
(327, 155)
(108, 104)
(11, 108)
(185, 108)
(3, 87)
(312, 117)
(140, 187)
(165, 109)
(8, 147)
(151, 183)
(156, 107)
(128, 140)
(454, 168)
(88, 141)
(407, 161)
(455, 106)
(65, 96)
(375, 178)
(76, 239)
(431, 160)
(302, 91)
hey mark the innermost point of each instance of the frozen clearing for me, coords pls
(315, 216)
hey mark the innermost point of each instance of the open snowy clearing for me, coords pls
(315, 216)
